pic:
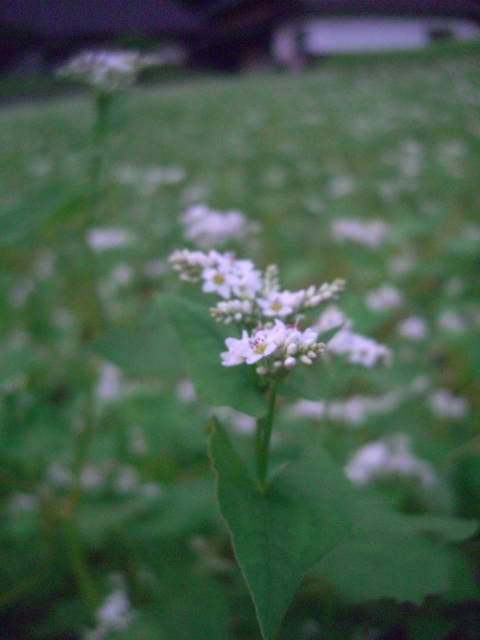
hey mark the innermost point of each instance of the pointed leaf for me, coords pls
(203, 340)
(279, 534)
(387, 563)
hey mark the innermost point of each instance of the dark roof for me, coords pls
(423, 8)
(63, 17)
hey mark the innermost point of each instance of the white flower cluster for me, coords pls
(358, 348)
(367, 232)
(278, 346)
(208, 228)
(447, 406)
(106, 71)
(115, 614)
(250, 297)
(255, 299)
(384, 298)
(389, 459)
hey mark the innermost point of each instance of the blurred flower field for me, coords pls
(364, 169)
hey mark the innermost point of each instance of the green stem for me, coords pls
(102, 107)
(81, 571)
(263, 435)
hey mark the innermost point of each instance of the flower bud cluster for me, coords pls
(275, 347)
(250, 297)
(190, 264)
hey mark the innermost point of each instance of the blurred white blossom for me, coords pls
(367, 232)
(447, 406)
(106, 71)
(384, 298)
(115, 614)
(413, 328)
(451, 322)
(389, 459)
(208, 228)
(109, 238)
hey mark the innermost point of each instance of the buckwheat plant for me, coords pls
(107, 73)
(270, 318)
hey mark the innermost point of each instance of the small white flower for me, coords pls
(185, 391)
(209, 228)
(279, 304)
(261, 344)
(451, 322)
(391, 458)
(369, 232)
(384, 298)
(218, 280)
(447, 406)
(238, 350)
(106, 71)
(109, 238)
(331, 318)
(413, 328)
(308, 409)
(360, 350)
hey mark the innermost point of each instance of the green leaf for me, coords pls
(20, 219)
(203, 340)
(441, 527)
(398, 556)
(384, 562)
(279, 534)
(142, 352)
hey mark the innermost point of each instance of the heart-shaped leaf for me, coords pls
(202, 341)
(278, 534)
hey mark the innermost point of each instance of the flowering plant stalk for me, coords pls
(269, 319)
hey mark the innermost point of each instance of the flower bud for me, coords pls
(290, 363)
(292, 349)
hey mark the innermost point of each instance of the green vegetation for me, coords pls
(106, 485)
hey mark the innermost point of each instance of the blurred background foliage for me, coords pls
(105, 481)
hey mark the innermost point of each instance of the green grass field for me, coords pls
(392, 140)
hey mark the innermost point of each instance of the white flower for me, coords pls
(109, 385)
(208, 228)
(185, 391)
(308, 409)
(284, 343)
(236, 419)
(331, 318)
(109, 238)
(218, 279)
(369, 233)
(113, 615)
(391, 458)
(413, 328)
(447, 406)
(451, 322)
(238, 350)
(360, 350)
(280, 304)
(248, 280)
(384, 298)
(190, 264)
(106, 71)
(261, 344)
